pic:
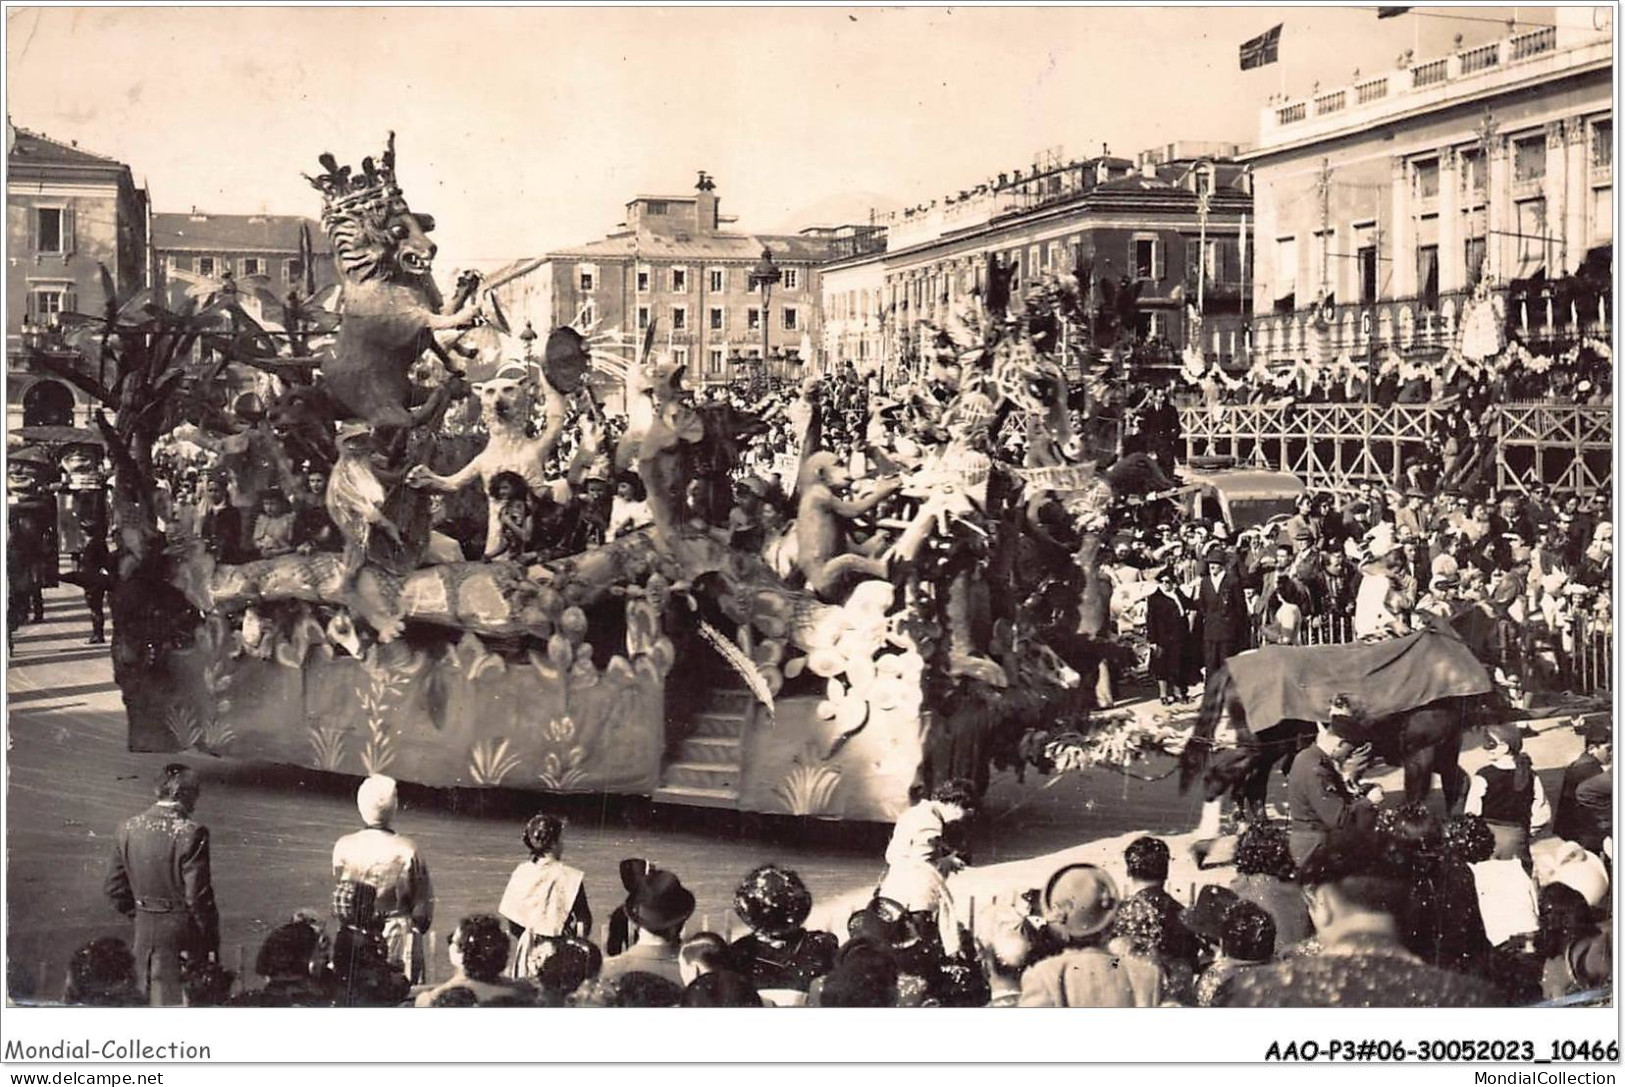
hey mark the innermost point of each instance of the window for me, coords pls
(719, 279)
(679, 318)
(589, 314)
(792, 279)
(1602, 215)
(205, 266)
(50, 233)
(1033, 260)
(180, 262)
(1151, 325)
(251, 266)
(643, 281)
(679, 355)
(1427, 275)
(655, 207)
(292, 270)
(1286, 274)
(714, 361)
(588, 277)
(753, 319)
(1145, 260)
(1427, 179)
(1475, 250)
(718, 321)
(226, 266)
(790, 319)
(1529, 159)
(679, 280)
(1473, 175)
(48, 305)
(1602, 145)
(643, 318)
(1365, 260)
(1531, 237)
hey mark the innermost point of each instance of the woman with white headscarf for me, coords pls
(391, 864)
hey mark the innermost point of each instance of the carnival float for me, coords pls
(973, 630)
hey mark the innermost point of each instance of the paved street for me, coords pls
(72, 781)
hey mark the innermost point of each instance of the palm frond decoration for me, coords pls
(491, 760)
(741, 663)
(327, 745)
(809, 787)
(185, 725)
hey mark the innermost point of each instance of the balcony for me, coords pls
(1418, 325)
(1430, 82)
(1408, 324)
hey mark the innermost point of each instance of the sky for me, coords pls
(524, 129)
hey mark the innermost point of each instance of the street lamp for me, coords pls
(764, 275)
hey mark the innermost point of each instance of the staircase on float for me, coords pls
(709, 765)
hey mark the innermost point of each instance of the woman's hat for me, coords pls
(656, 899)
(882, 921)
(1206, 916)
(1080, 900)
(773, 900)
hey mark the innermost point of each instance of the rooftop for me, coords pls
(36, 147)
(734, 247)
(1417, 86)
(270, 233)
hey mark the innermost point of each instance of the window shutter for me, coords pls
(31, 307)
(33, 230)
(70, 300)
(68, 240)
(1157, 260)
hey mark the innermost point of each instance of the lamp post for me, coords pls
(764, 275)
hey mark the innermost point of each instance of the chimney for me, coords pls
(705, 204)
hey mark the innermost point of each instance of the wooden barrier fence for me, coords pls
(1569, 447)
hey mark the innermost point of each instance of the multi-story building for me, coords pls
(194, 248)
(1380, 205)
(854, 289)
(69, 213)
(1145, 222)
(674, 263)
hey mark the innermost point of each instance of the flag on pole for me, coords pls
(1389, 13)
(1262, 50)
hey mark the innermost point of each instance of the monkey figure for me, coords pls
(824, 556)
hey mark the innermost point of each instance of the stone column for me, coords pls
(1554, 188)
(1452, 257)
(1576, 228)
(1498, 201)
(1401, 250)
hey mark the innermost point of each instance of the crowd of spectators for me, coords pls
(1410, 911)
(1536, 569)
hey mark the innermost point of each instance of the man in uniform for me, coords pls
(391, 864)
(1320, 795)
(160, 877)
